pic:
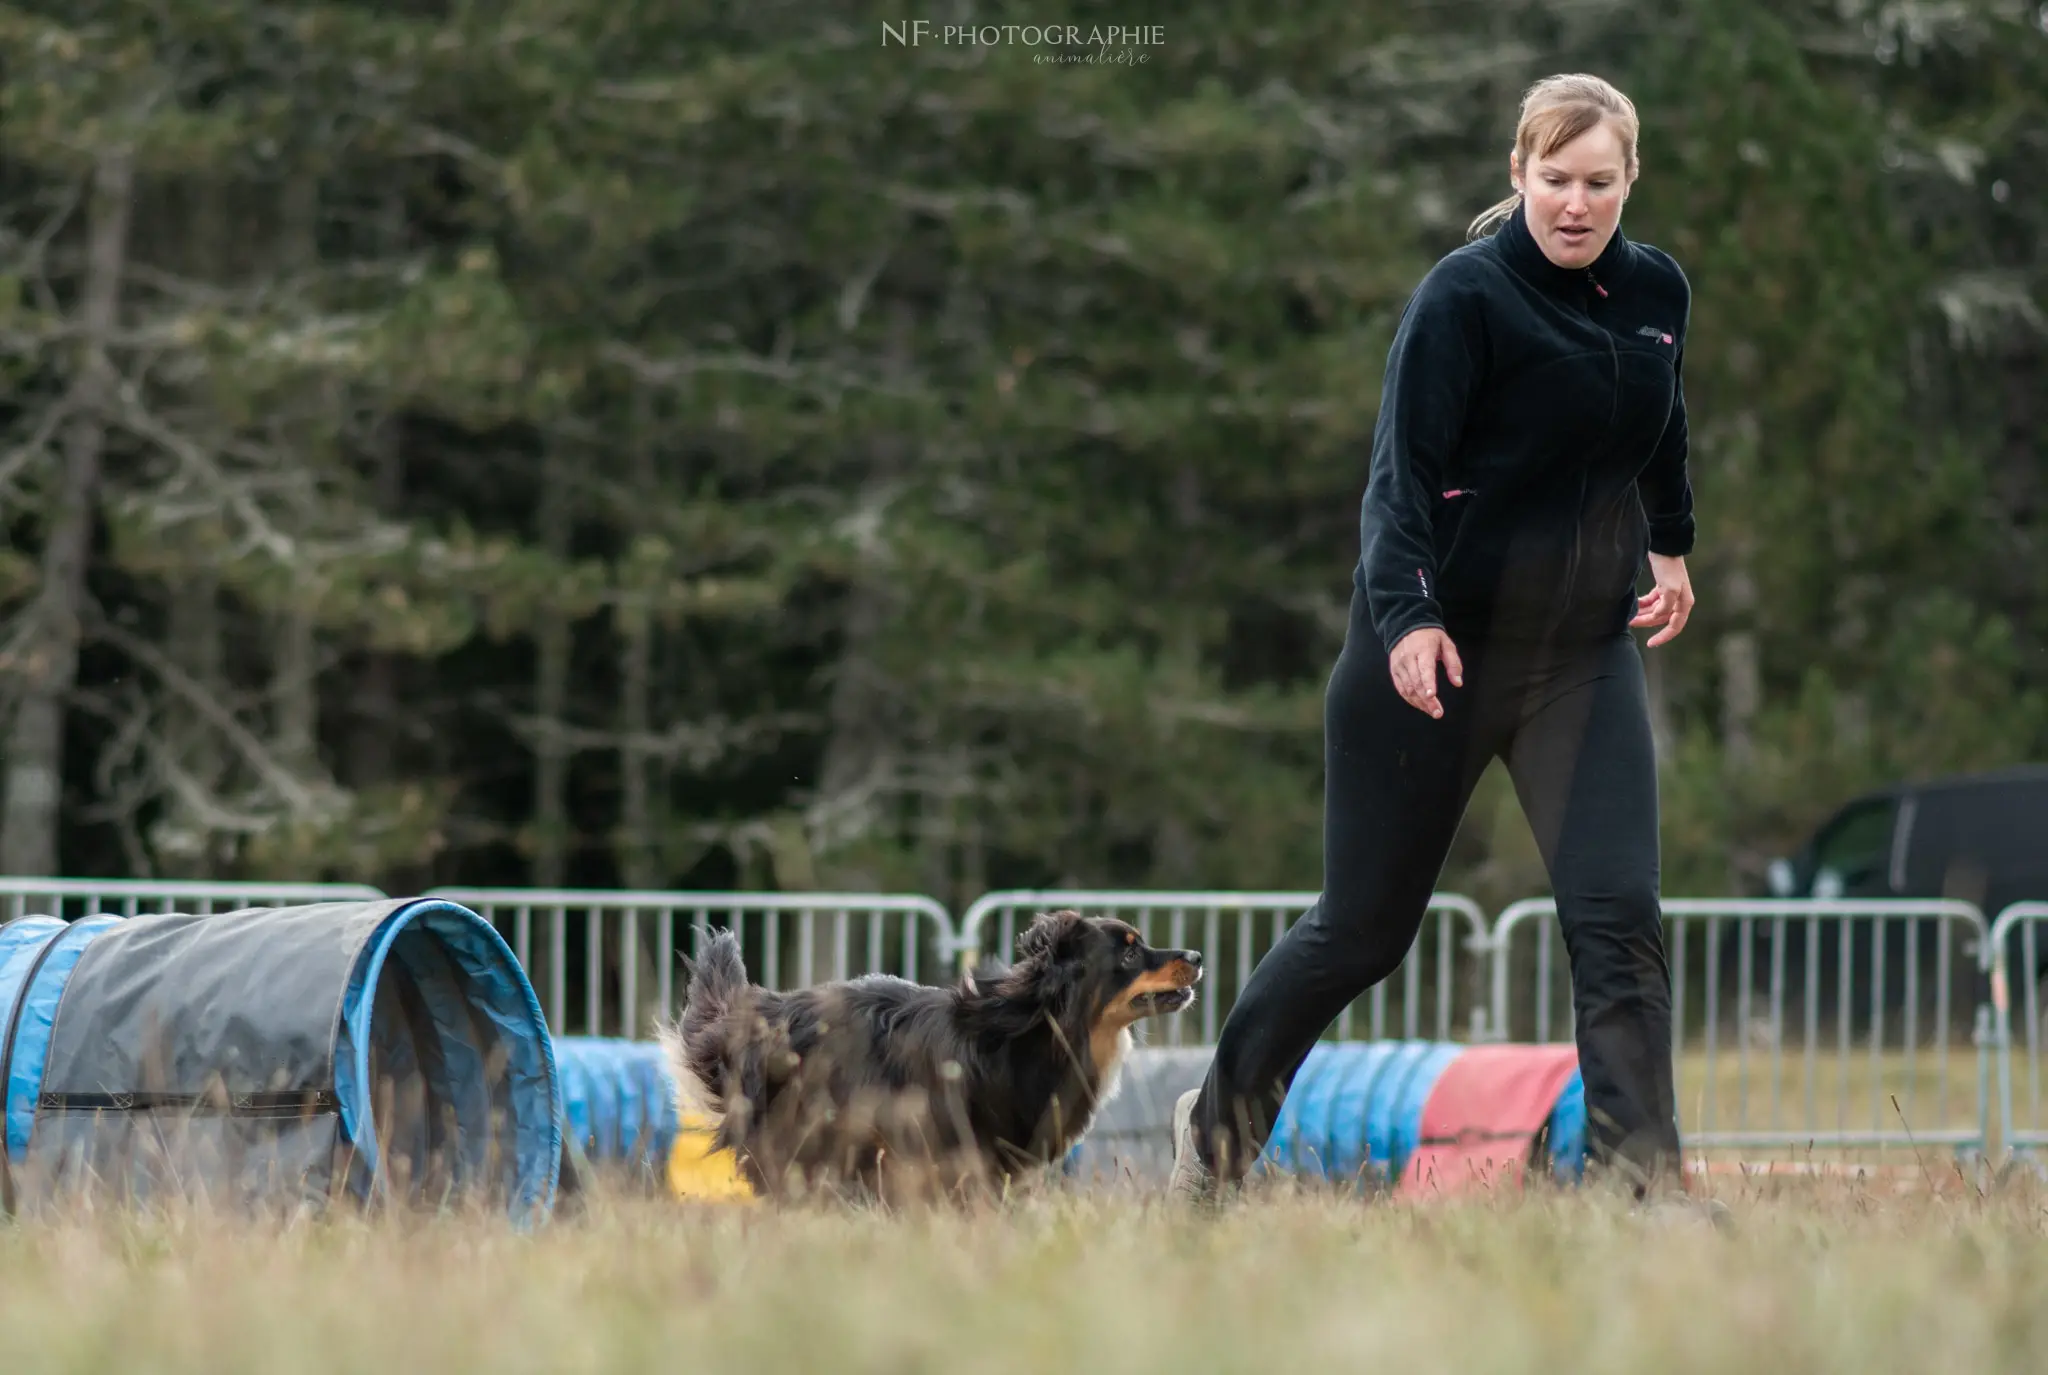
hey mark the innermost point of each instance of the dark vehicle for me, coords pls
(1981, 838)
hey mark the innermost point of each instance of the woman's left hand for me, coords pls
(1669, 603)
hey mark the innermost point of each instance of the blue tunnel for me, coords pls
(1354, 1112)
(388, 1050)
(619, 1105)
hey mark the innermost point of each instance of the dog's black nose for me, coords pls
(1193, 957)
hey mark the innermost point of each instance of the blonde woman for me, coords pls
(1528, 460)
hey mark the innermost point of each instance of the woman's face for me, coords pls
(1572, 199)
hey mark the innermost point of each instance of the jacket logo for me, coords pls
(1652, 332)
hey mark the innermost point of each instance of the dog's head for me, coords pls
(1117, 977)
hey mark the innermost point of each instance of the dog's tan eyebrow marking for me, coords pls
(1130, 938)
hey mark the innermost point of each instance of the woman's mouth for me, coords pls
(1575, 234)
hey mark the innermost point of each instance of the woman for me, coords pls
(1530, 454)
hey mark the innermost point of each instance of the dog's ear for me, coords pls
(1041, 941)
(703, 935)
(985, 974)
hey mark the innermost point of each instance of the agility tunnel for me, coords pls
(623, 1121)
(618, 1103)
(1486, 1114)
(388, 1050)
(1405, 1116)
(1355, 1111)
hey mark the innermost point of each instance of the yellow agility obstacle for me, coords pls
(698, 1171)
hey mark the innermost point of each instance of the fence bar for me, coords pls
(2018, 1135)
(71, 898)
(1452, 1006)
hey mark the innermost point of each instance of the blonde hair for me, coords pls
(1555, 111)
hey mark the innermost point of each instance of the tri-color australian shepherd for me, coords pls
(884, 1088)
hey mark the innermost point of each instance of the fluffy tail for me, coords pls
(695, 1046)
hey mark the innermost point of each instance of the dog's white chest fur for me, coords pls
(1113, 1075)
(1110, 1052)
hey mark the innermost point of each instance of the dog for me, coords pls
(883, 1088)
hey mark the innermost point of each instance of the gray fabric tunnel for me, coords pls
(387, 1050)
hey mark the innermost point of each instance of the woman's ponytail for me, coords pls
(1493, 215)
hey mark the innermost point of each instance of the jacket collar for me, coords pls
(1526, 256)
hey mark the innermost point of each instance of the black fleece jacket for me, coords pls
(1531, 443)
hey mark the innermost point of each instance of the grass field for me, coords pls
(1812, 1277)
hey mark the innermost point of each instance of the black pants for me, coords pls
(1572, 724)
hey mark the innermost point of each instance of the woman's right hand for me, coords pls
(1413, 664)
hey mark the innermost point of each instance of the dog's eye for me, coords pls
(1131, 955)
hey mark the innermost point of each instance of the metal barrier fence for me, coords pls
(792, 939)
(2025, 919)
(1445, 970)
(1910, 1065)
(71, 898)
(1798, 1023)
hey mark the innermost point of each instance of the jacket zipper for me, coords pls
(1613, 356)
(1571, 566)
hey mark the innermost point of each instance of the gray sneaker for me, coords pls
(1677, 1207)
(1191, 1182)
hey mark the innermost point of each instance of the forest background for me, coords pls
(715, 445)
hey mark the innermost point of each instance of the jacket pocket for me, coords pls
(1451, 513)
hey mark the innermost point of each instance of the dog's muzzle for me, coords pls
(1166, 1001)
(1186, 971)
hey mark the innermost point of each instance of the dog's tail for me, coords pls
(718, 978)
(695, 1046)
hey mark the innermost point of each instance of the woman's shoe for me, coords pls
(1192, 1181)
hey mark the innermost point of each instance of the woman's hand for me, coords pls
(1413, 665)
(1669, 603)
